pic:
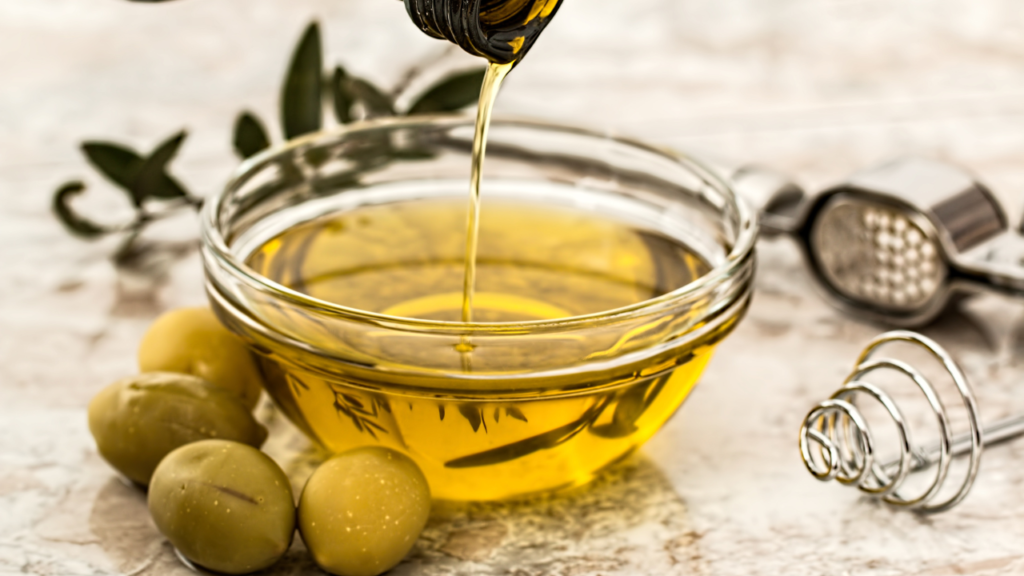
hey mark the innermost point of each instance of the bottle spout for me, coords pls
(502, 31)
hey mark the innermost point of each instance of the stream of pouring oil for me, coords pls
(488, 94)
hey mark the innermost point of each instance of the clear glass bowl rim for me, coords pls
(738, 257)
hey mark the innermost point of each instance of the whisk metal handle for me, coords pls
(998, 432)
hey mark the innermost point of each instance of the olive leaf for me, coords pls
(331, 184)
(473, 415)
(382, 403)
(296, 383)
(632, 403)
(362, 419)
(450, 94)
(516, 413)
(301, 98)
(374, 102)
(152, 180)
(341, 95)
(532, 444)
(77, 225)
(511, 412)
(250, 136)
(140, 177)
(119, 164)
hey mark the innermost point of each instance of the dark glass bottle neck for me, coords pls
(500, 30)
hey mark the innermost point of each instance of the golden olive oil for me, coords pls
(488, 94)
(535, 261)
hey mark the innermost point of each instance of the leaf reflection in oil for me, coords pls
(533, 444)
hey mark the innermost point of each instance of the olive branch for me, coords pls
(154, 193)
(362, 415)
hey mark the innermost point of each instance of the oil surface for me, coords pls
(536, 261)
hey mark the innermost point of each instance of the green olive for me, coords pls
(139, 420)
(225, 506)
(361, 512)
(193, 341)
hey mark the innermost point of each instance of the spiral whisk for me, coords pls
(837, 431)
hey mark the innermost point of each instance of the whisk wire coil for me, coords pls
(846, 448)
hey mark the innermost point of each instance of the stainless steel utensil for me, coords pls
(896, 242)
(846, 447)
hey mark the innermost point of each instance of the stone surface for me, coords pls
(816, 89)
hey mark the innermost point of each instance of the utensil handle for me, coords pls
(775, 197)
(997, 264)
(998, 432)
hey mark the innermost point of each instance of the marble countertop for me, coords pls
(815, 89)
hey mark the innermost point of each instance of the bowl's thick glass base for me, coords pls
(474, 449)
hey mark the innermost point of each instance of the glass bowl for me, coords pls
(489, 410)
